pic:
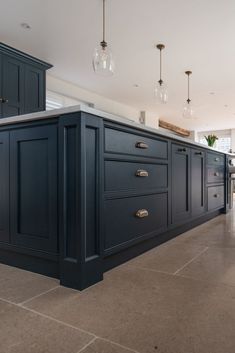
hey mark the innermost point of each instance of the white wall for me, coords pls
(73, 91)
(233, 140)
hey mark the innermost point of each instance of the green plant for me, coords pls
(211, 140)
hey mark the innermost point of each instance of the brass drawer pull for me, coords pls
(142, 145)
(216, 195)
(198, 153)
(182, 150)
(142, 173)
(142, 213)
(216, 174)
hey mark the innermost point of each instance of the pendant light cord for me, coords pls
(161, 65)
(188, 100)
(103, 43)
(160, 47)
(104, 21)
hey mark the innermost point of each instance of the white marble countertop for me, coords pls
(131, 123)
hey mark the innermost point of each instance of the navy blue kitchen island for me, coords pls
(82, 191)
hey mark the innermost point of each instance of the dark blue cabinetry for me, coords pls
(216, 181)
(12, 86)
(127, 220)
(34, 89)
(4, 187)
(180, 183)
(22, 82)
(80, 194)
(198, 190)
(33, 187)
(81, 199)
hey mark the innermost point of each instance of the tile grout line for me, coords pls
(68, 325)
(189, 262)
(37, 296)
(217, 283)
(107, 340)
(151, 269)
(56, 320)
(188, 277)
(47, 317)
(87, 345)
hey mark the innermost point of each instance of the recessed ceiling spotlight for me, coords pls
(25, 25)
(212, 93)
(136, 85)
(226, 105)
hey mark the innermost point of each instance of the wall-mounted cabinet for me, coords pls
(22, 82)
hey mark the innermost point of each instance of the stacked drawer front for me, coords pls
(215, 180)
(215, 197)
(128, 219)
(136, 181)
(131, 144)
(131, 175)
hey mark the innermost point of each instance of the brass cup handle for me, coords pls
(216, 195)
(141, 173)
(198, 153)
(142, 213)
(142, 145)
(3, 100)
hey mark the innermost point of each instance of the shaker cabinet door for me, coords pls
(12, 87)
(180, 183)
(33, 165)
(197, 182)
(34, 89)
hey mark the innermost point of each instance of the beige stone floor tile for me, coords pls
(216, 264)
(168, 258)
(22, 331)
(219, 232)
(213, 239)
(17, 285)
(142, 310)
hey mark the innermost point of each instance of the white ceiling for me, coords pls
(199, 35)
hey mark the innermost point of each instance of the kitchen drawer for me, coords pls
(134, 176)
(215, 174)
(123, 223)
(215, 197)
(126, 143)
(215, 159)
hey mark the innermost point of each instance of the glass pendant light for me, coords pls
(103, 63)
(161, 92)
(188, 110)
